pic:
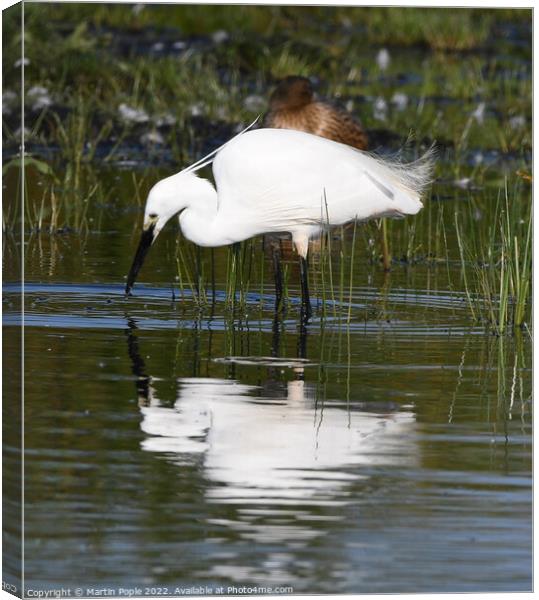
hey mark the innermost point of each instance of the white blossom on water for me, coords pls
(220, 36)
(254, 103)
(400, 100)
(132, 115)
(37, 90)
(21, 61)
(463, 183)
(165, 120)
(197, 109)
(38, 97)
(380, 109)
(9, 100)
(221, 113)
(9, 96)
(479, 113)
(152, 138)
(517, 122)
(42, 102)
(19, 132)
(478, 158)
(383, 59)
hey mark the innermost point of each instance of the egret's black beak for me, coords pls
(146, 240)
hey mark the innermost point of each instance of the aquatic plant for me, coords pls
(496, 260)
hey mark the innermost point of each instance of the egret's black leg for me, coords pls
(306, 310)
(212, 279)
(198, 281)
(302, 336)
(277, 272)
(236, 253)
(276, 336)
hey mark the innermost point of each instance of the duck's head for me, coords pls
(292, 92)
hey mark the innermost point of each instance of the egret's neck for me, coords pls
(201, 221)
(202, 198)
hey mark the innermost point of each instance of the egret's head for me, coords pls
(166, 199)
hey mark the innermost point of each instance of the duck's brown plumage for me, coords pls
(292, 106)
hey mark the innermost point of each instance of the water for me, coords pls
(167, 446)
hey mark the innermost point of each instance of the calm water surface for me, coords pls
(167, 446)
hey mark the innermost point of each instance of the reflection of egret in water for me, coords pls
(260, 448)
(286, 463)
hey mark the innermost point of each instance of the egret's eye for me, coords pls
(153, 215)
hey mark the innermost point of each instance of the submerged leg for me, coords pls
(276, 335)
(306, 310)
(198, 280)
(302, 338)
(275, 245)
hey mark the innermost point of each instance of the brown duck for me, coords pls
(292, 106)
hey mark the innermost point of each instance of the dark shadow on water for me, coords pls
(138, 366)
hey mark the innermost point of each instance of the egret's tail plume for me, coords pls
(415, 176)
(419, 174)
(407, 181)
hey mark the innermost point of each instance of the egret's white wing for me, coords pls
(282, 178)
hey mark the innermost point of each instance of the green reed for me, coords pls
(496, 261)
(329, 254)
(242, 270)
(189, 266)
(351, 278)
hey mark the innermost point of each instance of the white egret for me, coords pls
(281, 181)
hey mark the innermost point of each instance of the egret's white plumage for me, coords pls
(281, 180)
(276, 180)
